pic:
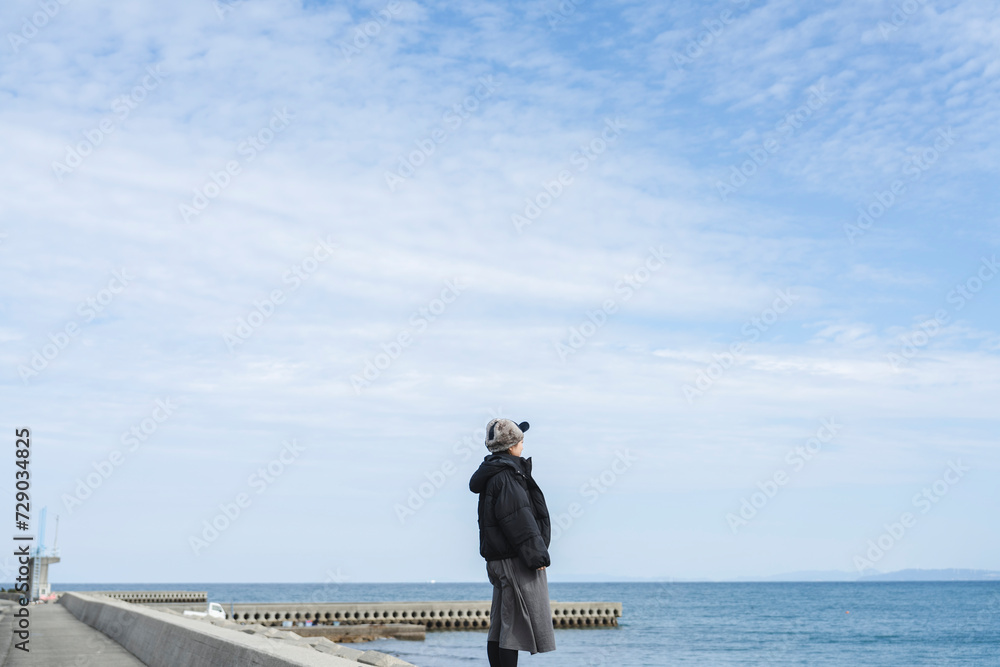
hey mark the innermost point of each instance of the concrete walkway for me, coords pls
(58, 639)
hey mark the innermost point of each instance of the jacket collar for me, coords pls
(522, 465)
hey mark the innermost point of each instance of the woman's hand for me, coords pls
(542, 567)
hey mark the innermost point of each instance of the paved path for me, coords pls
(59, 639)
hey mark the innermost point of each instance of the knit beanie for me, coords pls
(502, 434)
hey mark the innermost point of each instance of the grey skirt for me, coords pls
(520, 617)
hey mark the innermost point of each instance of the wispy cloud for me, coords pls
(193, 281)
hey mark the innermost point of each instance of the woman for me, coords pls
(514, 533)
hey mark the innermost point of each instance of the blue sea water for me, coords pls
(886, 624)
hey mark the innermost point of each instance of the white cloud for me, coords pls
(495, 345)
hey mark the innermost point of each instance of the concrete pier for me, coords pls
(59, 639)
(163, 638)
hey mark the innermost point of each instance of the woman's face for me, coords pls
(517, 449)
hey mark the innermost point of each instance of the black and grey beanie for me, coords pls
(502, 434)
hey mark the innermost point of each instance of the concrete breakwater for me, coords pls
(455, 615)
(153, 597)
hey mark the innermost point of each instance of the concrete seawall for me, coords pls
(163, 639)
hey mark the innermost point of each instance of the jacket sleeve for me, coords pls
(517, 521)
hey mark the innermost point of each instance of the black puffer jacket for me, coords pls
(513, 518)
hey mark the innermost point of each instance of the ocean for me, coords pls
(886, 624)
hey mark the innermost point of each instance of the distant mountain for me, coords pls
(953, 574)
(807, 575)
(609, 579)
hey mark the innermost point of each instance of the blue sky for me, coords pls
(634, 225)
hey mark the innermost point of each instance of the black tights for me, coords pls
(500, 657)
